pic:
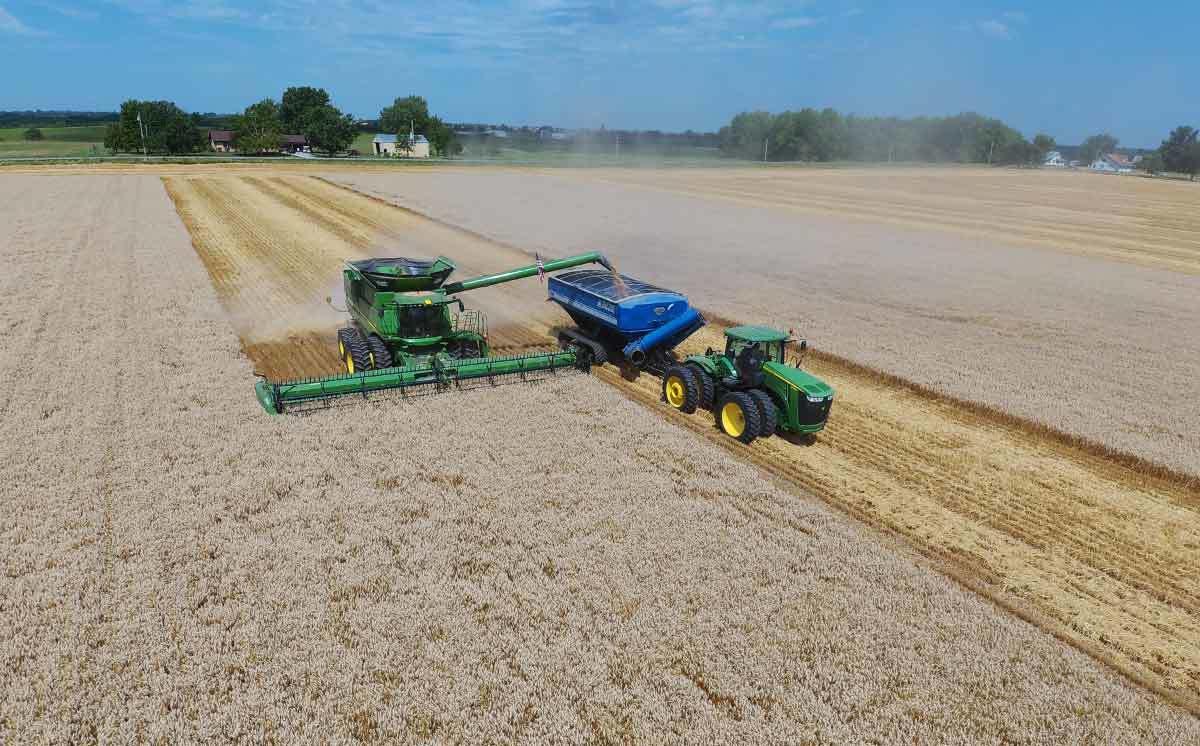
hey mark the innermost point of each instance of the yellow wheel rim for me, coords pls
(349, 363)
(733, 419)
(675, 392)
(372, 356)
(341, 348)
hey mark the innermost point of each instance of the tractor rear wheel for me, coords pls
(357, 355)
(737, 416)
(767, 411)
(381, 356)
(708, 387)
(680, 390)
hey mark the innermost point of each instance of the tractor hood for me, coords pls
(812, 386)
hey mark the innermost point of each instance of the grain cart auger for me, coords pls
(750, 387)
(402, 332)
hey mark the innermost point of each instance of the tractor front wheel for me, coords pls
(767, 412)
(737, 416)
(680, 390)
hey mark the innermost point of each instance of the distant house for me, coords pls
(294, 143)
(418, 146)
(1113, 163)
(1054, 159)
(220, 140)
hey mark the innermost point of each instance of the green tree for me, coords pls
(296, 105)
(1044, 144)
(260, 128)
(1096, 146)
(1152, 163)
(33, 133)
(168, 129)
(405, 113)
(442, 138)
(328, 129)
(1181, 151)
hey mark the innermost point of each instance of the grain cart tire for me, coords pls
(708, 387)
(767, 411)
(381, 356)
(737, 416)
(358, 353)
(342, 336)
(680, 390)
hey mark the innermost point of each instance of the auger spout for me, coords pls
(530, 270)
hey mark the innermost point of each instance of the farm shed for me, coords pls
(391, 145)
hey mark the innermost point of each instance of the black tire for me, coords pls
(341, 337)
(599, 355)
(358, 354)
(381, 356)
(737, 416)
(465, 350)
(767, 411)
(679, 389)
(708, 387)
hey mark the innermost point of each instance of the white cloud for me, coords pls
(1015, 16)
(795, 22)
(12, 25)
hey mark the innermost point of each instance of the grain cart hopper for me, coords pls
(402, 332)
(750, 387)
(620, 318)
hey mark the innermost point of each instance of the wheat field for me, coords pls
(1065, 298)
(554, 563)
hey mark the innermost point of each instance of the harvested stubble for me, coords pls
(1065, 298)
(179, 568)
(1098, 551)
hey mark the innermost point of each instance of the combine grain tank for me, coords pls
(619, 316)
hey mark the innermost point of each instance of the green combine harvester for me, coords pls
(403, 333)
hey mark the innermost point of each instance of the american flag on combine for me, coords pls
(541, 267)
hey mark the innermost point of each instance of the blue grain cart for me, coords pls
(623, 318)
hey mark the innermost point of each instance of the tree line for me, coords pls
(827, 135)
(162, 127)
(1179, 153)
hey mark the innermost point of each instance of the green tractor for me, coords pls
(750, 387)
(400, 311)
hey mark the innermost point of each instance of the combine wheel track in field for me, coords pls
(1098, 549)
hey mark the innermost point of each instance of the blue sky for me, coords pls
(1067, 68)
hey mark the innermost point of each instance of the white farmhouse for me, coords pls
(1113, 163)
(1054, 159)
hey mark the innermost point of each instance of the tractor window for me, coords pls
(774, 351)
(422, 321)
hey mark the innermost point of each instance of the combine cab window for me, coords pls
(423, 321)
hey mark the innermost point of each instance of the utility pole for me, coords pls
(991, 149)
(142, 130)
(617, 151)
(765, 141)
